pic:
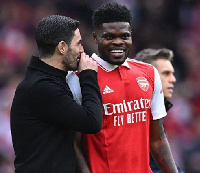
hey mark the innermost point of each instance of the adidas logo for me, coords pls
(107, 90)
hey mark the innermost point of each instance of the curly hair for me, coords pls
(53, 29)
(109, 13)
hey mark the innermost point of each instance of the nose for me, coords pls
(118, 40)
(81, 49)
(173, 78)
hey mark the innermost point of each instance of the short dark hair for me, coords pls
(109, 13)
(151, 55)
(53, 29)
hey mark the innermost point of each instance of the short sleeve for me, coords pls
(157, 104)
(73, 81)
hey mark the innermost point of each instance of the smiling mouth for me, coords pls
(117, 52)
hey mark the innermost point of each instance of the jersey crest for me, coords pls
(143, 83)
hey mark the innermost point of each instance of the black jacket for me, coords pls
(44, 117)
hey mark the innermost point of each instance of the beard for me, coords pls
(70, 62)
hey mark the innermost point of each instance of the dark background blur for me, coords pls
(174, 24)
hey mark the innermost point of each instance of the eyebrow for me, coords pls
(108, 32)
(168, 71)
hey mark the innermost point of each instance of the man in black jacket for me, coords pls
(161, 59)
(44, 115)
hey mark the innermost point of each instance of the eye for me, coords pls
(126, 36)
(79, 42)
(166, 73)
(109, 37)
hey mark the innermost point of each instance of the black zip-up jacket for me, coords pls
(44, 117)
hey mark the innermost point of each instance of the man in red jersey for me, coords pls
(133, 103)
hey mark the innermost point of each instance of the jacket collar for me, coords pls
(36, 63)
(168, 104)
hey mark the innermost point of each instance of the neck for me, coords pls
(54, 62)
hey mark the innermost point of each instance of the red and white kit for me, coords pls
(132, 96)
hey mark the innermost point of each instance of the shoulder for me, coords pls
(139, 63)
(141, 66)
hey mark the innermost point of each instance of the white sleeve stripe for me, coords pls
(73, 81)
(157, 103)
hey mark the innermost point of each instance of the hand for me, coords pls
(87, 63)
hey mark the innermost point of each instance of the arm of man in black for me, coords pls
(56, 105)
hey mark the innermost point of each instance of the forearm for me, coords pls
(82, 164)
(161, 153)
(91, 98)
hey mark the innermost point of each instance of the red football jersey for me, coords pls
(132, 96)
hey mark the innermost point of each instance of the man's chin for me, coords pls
(117, 62)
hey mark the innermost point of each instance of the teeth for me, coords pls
(117, 51)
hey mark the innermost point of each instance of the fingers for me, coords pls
(87, 63)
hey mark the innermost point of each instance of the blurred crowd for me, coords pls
(174, 24)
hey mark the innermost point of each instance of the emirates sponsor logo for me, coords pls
(117, 108)
(143, 83)
(128, 112)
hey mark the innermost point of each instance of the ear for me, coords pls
(62, 47)
(95, 37)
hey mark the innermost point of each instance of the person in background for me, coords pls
(44, 115)
(161, 59)
(133, 103)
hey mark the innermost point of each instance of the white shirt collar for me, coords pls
(106, 65)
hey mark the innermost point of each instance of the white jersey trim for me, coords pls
(73, 81)
(107, 66)
(157, 103)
